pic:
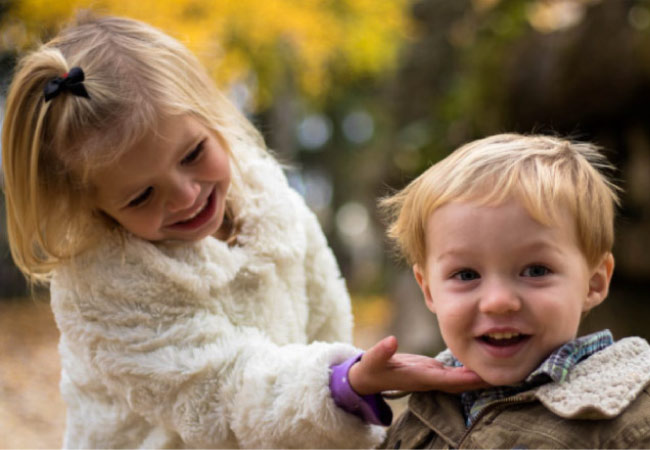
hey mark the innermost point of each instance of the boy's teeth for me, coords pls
(502, 335)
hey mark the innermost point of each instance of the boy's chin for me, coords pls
(502, 376)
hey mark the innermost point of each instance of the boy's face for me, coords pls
(506, 289)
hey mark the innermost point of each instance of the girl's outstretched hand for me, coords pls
(381, 369)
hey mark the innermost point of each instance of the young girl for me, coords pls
(198, 302)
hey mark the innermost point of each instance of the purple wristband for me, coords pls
(371, 408)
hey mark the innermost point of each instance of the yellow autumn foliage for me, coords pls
(262, 42)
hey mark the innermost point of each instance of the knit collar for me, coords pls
(603, 385)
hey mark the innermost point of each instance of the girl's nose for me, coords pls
(182, 194)
(499, 298)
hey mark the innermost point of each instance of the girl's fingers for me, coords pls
(458, 380)
(426, 375)
(381, 368)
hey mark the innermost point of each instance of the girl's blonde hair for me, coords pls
(545, 173)
(134, 74)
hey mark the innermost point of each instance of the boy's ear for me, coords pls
(601, 275)
(421, 278)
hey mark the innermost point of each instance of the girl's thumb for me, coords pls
(381, 352)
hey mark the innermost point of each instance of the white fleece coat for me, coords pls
(209, 345)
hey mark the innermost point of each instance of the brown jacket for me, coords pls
(604, 403)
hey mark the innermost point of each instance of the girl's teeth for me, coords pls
(195, 214)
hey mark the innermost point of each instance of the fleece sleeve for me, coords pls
(211, 381)
(330, 316)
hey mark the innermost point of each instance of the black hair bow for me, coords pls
(71, 81)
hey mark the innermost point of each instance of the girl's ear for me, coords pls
(420, 277)
(601, 275)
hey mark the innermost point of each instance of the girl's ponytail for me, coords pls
(38, 201)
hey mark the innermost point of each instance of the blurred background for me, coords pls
(357, 97)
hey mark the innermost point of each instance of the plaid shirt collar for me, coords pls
(554, 368)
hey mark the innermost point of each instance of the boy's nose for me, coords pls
(499, 298)
(183, 193)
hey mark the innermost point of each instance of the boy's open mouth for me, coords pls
(503, 339)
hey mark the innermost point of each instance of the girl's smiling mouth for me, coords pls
(199, 218)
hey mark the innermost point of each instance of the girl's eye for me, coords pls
(140, 199)
(466, 275)
(193, 155)
(536, 270)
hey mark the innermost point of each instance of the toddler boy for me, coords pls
(510, 240)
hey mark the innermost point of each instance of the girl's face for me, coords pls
(171, 186)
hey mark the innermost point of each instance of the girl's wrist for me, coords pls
(354, 378)
(371, 408)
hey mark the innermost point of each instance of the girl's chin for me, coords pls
(209, 230)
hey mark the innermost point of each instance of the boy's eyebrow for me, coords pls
(536, 245)
(454, 252)
(543, 245)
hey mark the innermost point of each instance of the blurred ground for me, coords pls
(32, 413)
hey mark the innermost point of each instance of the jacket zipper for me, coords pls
(490, 407)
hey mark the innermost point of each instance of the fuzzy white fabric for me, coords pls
(601, 386)
(206, 345)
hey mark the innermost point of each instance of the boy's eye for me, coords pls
(193, 155)
(466, 275)
(536, 270)
(140, 199)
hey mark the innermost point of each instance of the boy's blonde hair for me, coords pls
(545, 173)
(134, 74)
